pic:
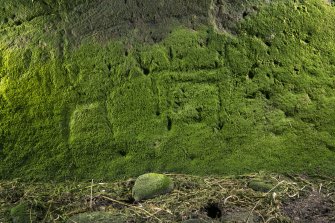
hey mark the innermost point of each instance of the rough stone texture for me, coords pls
(144, 20)
(112, 89)
(150, 185)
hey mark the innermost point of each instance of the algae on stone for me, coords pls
(150, 185)
(260, 185)
(78, 101)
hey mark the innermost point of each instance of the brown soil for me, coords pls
(314, 208)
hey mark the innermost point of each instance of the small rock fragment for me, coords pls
(259, 185)
(150, 185)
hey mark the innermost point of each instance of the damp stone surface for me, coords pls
(115, 89)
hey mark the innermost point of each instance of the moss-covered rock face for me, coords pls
(120, 88)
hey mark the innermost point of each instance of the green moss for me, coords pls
(154, 59)
(20, 213)
(150, 185)
(198, 101)
(188, 50)
(259, 185)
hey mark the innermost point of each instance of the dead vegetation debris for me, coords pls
(212, 199)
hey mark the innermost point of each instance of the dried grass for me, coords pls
(191, 198)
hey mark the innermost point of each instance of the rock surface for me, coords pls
(259, 185)
(116, 88)
(150, 185)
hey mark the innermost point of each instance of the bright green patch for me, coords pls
(151, 185)
(196, 102)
